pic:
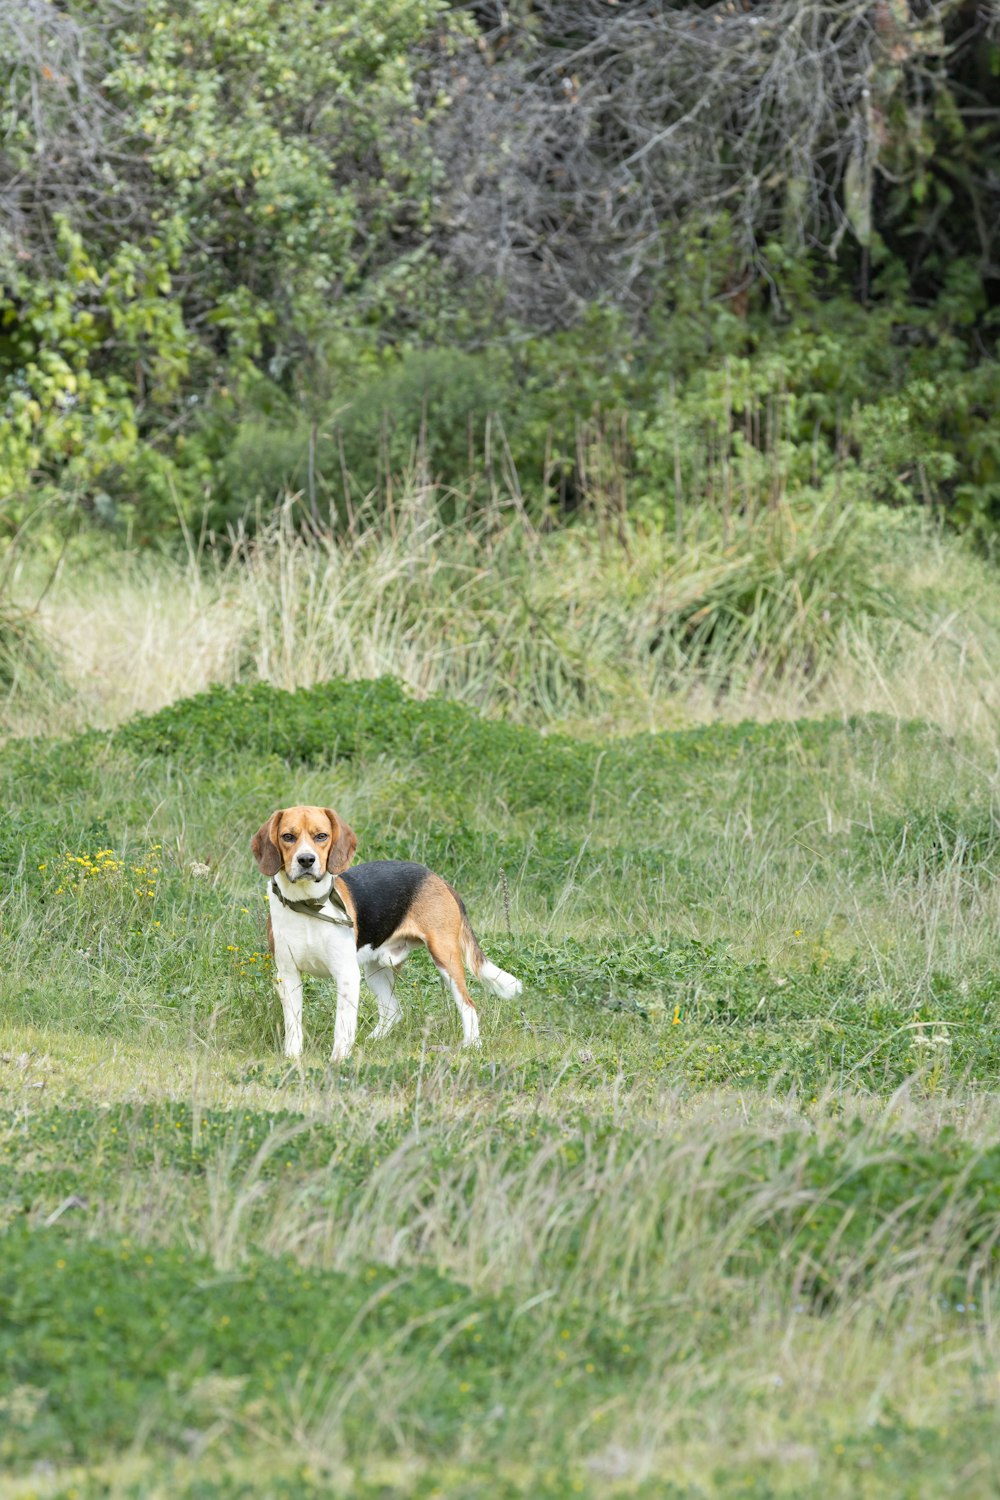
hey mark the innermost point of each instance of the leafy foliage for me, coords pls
(313, 251)
(263, 169)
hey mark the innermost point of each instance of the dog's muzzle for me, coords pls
(306, 866)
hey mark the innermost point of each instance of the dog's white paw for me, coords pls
(378, 1032)
(503, 985)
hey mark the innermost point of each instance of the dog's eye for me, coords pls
(289, 838)
(321, 837)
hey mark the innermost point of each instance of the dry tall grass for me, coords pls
(814, 615)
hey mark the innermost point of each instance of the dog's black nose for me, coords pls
(307, 861)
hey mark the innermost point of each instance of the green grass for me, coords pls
(712, 1212)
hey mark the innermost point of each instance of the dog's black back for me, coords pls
(383, 892)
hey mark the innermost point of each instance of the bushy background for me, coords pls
(574, 249)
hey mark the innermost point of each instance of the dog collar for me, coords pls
(315, 907)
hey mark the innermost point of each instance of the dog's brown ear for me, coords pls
(264, 846)
(342, 846)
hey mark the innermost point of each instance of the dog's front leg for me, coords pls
(288, 981)
(345, 1027)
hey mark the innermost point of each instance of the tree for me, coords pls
(588, 140)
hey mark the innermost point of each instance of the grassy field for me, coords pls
(716, 1208)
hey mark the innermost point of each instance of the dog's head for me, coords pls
(305, 842)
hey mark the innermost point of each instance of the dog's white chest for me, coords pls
(315, 947)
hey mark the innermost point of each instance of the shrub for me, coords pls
(450, 747)
(355, 720)
(780, 601)
(430, 414)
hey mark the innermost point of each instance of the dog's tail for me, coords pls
(503, 985)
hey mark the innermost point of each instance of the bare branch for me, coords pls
(574, 149)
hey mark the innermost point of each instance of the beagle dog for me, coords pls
(327, 920)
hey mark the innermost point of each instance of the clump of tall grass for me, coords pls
(782, 598)
(31, 675)
(26, 656)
